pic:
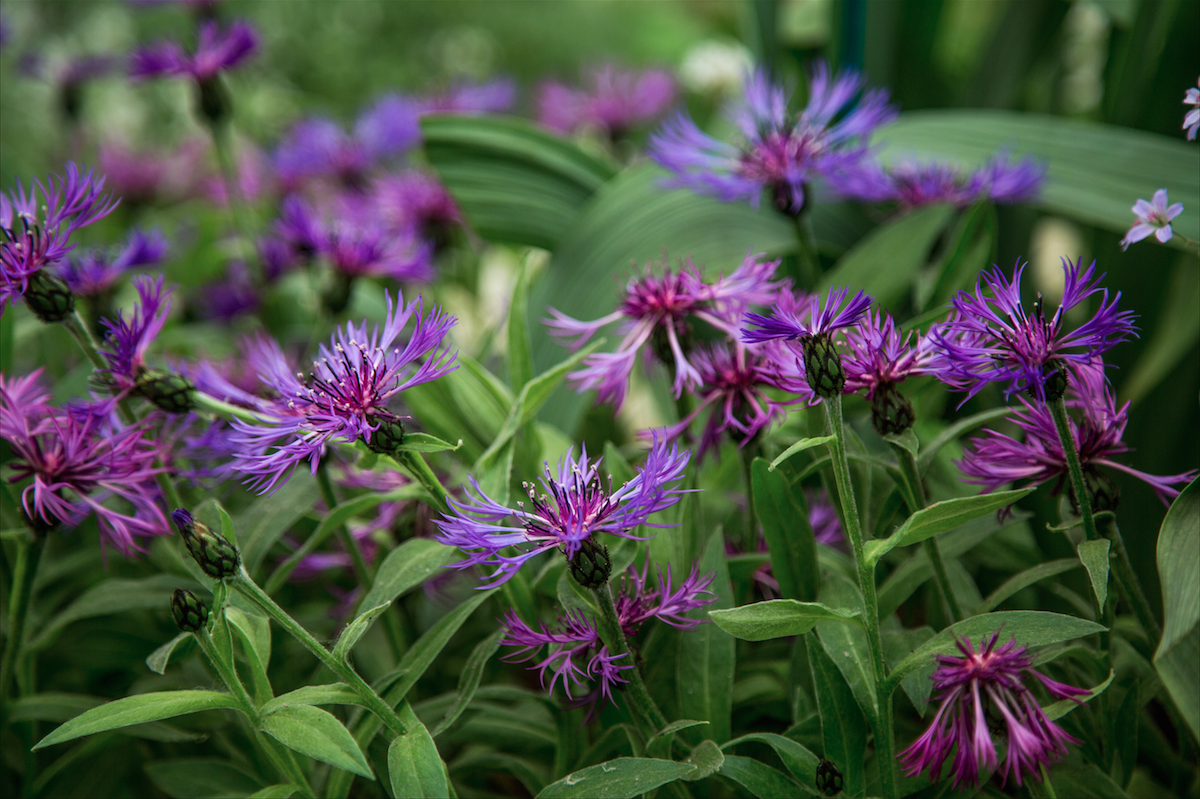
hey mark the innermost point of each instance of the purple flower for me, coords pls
(879, 354)
(994, 459)
(227, 299)
(779, 151)
(575, 508)
(35, 233)
(299, 227)
(493, 97)
(146, 176)
(656, 311)
(1152, 217)
(614, 100)
(991, 338)
(79, 464)
(982, 688)
(416, 201)
(912, 185)
(1191, 120)
(128, 339)
(358, 247)
(638, 600)
(346, 394)
(823, 517)
(811, 322)
(216, 51)
(96, 272)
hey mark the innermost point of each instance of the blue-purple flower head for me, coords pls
(613, 100)
(127, 340)
(96, 272)
(778, 151)
(36, 227)
(491, 97)
(912, 185)
(347, 394)
(575, 505)
(217, 50)
(992, 338)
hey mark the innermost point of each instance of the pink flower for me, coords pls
(1152, 217)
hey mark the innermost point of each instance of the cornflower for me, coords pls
(416, 201)
(779, 151)
(146, 176)
(878, 358)
(912, 185)
(576, 507)
(990, 337)
(37, 234)
(613, 100)
(96, 272)
(1191, 120)
(1152, 217)
(233, 296)
(79, 463)
(492, 97)
(128, 339)
(656, 310)
(346, 394)
(972, 686)
(216, 51)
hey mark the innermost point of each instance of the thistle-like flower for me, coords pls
(613, 100)
(576, 507)
(976, 688)
(779, 151)
(94, 273)
(345, 396)
(991, 338)
(912, 185)
(1191, 120)
(879, 358)
(657, 311)
(1152, 217)
(216, 51)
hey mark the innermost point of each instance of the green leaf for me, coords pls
(1094, 557)
(1030, 628)
(268, 518)
(846, 644)
(157, 660)
(1177, 658)
(941, 517)
(758, 778)
(885, 264)
(1023, 580)
(1056, 710)
(111, 596)
(520, 347)
(414, 766)
(777, 618)
(355, 630)
(1083, 782)
(954, 431)
(907, 440)
(336, 693)
(623, 778)
(798, 760)
(513, 181)
(228, 532)
(190, 777)
(406, 567)
(254, 632)
(788, 534)
(1096, 171)
(800, 446)
(423, 442)
(60, 707)
(532, 774)
(136, 710)
(706, 759)
(316, 733)
(659, 744)
(275, 792)
(468, 680)
(707, 656)
(843, 728)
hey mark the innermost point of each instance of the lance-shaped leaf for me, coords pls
(336, 693)
(1094, 557)
(316, 733)
(776, 618)
(1023, 580)
(759, 778)
(789, 535)
(468, 680)
(1056, 710)
(941, 517)
(136, 710)
(623, 778)
(355, 630)
(406, 567)
(800, 446)
(414, 766)
(798, 760)
(1177, 659)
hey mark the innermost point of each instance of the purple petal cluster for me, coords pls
(493, 97)
(878, 354)
(96, 272)
(1152, 217)
(1191, 120)
(806, 320)
(127, 340)
(912, 185)
(346, 394)
(576, 506)
(778, 151)
(233, 296)
(416, 201)
(977, 690)
(216, 51)
(612, 99)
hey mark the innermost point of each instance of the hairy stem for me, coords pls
(420, 471)
(29, 554)
(916, 500)
(643, 703)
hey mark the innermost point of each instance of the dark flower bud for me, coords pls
(891, 412)
(591, 566)
(48, 297)
(386, 440)
(212, 101)
(217, 557)
(190, 613)
(829, 779)
(169, 391)
(1055, 385)
(337, 296)
(823, 366)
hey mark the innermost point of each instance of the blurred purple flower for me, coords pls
(147, 176)
(822, 515)
(780, 151)
(128, 339)
(493, 97)
(255, 178)
(416, 201)
(912, 185)
(227, 299)
(96, 271)
(1152, 217)
(613, 99)
(358, 247)
(813, 322)
(980, 689)
(1191, 120)
(216, 51)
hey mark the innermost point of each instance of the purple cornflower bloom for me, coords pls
(227, 299)
(808, 322)
(216, 51)
(346, 394)
(613, 100)
(656, 310)
(576, 507)
(970, 687)
(96, 272)
(912, 185)
(994, 460)
(359, 247)
(128, 339)
(416, 201)
(78, 464)
(146, 176)
(36, 233)
(1191, 120)
(822, 515)
(299, 227)
(991, 338)
(878, 354)
(1152, 217)
(779, 151)
(492, 97)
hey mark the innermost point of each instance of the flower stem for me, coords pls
(619, 645)
(1128, 582)
(420, 471)
(750, 544)
(29, 554)
(247, 588)
(223, 145)
(1058, 408)
(806, 251)
(917, 500)
(82, 334)
(221, 408)
(884, 736)
(1049, 786)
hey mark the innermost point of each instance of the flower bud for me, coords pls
(388, 437)
(168, 391)
(823, 366)
(212, 101)
(891, 412)
(48, 297)
(591, 566)
(189, 612)
(217, 557)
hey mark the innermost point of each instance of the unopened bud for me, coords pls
(48, 297)
(388, 437)
(189, 612)
(591, 566)
(217, 557)
(1056, 384)
(891, 412)
(212, 101)
(823, 366)
(169, 391)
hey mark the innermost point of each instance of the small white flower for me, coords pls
(1152, 217)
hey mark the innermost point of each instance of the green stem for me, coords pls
(221, 408)
(884, 736)
(750, 544)
(917, 500)
(29, 554)
(806, 251)
(1058, 408)
(371, 700)
(420, 471)
(1046, 784)
(642, 702)
(1128, 582)
(223, 145)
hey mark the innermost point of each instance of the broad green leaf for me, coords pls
(1030, 628)
(336, 693)
(1178, 668)
(514, 181)
(1094, 557)
(355, 630)
(254, 631)
(777, 618)
(406, 567)
(533, 774)
(941, 517)
(157, 660)
(954, 431)
(136, 710)
(707, 656)
(758, 778)
(1056, 710)
(659, 744)
(800, 446)
(1082, 782)
(843, 728)
(414, 766)
(1096, 171)
(268, 518)
(706, 760)
(468, 680)
(623, 778)
(111, 596)
(316, 733)
(788, 534)
(1174, 334)
(1177, 658)
(846, 644)
(1023, 580)
(184, 778)
(798, 760)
